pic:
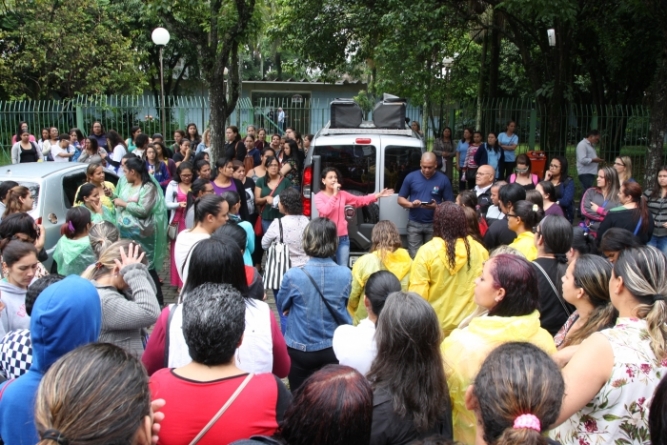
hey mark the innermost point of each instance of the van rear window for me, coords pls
(398, 162)
(356, 163)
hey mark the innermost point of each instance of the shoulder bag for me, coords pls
(553, 288)
(259, 230)
(277, 262)
(224, 408)
(337, 318)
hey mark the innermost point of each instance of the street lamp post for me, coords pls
(160, 37)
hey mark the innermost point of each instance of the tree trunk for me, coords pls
(494, 65)
(658, 120)
(218, 104)
(480, 87)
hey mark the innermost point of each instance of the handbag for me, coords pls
(553, 288)
(277, 262)
(337, 318)
(224, 408)
(259, 230)
(172, 231)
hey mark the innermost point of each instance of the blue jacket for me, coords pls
(482, 158)
(311, 325)
(66, 315)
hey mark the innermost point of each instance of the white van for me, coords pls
(369, 159)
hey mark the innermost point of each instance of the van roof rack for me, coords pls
(365, 127)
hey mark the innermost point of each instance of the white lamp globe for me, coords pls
(160, 36)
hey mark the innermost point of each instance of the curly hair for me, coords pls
(449, 223)
(385, 237)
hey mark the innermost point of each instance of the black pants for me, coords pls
(156, 280)
(507, 171)
(304, 364)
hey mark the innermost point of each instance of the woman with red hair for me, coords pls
(508, 289)
(632, 215)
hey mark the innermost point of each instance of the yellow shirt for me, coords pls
(465, 350)
(448, 289)
(525, 243)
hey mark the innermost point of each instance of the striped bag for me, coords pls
(277, 262)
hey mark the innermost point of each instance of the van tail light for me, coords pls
(39, 220)
(307, 187)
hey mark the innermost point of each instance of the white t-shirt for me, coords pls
(55, 149)
(118, 152)
(355, 346)
(184, 242)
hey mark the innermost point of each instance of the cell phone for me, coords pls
(425, 203)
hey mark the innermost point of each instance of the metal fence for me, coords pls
(624, 129)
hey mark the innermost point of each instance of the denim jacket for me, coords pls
(311, 325)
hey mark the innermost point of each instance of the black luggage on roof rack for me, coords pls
(390, 113)
(345, 113)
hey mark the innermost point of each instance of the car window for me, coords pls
(356, 164)
(398, 162)
(71, 183)
(34, 191)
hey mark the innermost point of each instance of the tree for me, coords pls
(44, 57)
(217, 28)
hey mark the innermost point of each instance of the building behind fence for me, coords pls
(624, 129)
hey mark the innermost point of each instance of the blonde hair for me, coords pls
(505, 249)
(627, 163)
(97, 393)
(385, 237)
(14, 200)
(643, 272)
(102, 235)
(107, 260)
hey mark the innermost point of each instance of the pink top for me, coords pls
(333, 207)
(31, 139)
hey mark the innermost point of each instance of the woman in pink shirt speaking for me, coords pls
(331, 202)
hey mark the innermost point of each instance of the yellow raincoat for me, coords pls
(466, 349)
(448, 290)
(525, 243)
(397, 262)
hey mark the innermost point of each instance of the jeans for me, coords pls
(587, 181)
(158, 286)
(343, 251)
(659, 242)
(305, 364)
(265, 224)
(418, 235)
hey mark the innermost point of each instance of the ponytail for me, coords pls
(523, 436)
(77, 223)
(643, 272)
(530, 213)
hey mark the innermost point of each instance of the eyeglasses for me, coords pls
(511, 215)
(619, 164)
(554, 166)
(274, 165)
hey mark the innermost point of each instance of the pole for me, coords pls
(163, 118)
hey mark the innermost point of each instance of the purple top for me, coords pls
(220, 190)
(554, 210)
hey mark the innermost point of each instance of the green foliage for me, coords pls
(44, 56)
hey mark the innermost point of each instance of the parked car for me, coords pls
(52, 185)
(369, 159)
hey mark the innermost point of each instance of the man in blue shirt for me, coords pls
(425, 189)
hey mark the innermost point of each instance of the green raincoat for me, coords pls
(73, 256)
(144, 220)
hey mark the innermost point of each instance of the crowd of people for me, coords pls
(502, 322)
